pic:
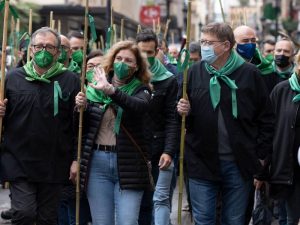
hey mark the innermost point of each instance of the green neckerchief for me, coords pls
(159, 71)
(74, 67)
(234, 62)
(32, 75)
(265, 65)
(172, 59)
(294, 83)
(58, 94)
(283, 74)
(98, 96)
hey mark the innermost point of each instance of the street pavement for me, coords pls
(186, 217)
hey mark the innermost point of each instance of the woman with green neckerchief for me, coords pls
(285, 169)
(114, 170)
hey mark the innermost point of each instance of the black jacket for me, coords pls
(37, 145)
(162, 125)
(132, 169)
(282, 165)
(250, 135)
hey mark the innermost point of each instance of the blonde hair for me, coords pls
(142, 73)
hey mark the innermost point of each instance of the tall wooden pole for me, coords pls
(3, 60)
(51, 19)
(17, 40)
(29, 33)
(59, 26)
(182, 136)
(122, 29)
(222, 10)
(83, 70)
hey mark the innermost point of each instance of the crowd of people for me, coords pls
(242, 133)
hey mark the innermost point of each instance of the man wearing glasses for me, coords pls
(228, 128)
(38, 131)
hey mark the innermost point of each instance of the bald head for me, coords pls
(65, 41)
(244, 34)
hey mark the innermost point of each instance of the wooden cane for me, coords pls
(122, 30)
(29, 33)
(166, 29)
(81, 111)
(222, 10)
(59, 26)
(51, 19)
(182, 135)
(3, 60)
(17, 40)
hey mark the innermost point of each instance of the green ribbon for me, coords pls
(233, 63)
(159, 71)
(283, 74)
(294, 83)
(32, 75)
(92, 26)
(98, 96)
(57, 95)
(182, 66)
(265, 66)
(11, 9)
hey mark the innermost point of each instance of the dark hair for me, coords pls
(45, 30)
(195, 47)
(221, 30)
(147, 35)
(75, 34)
(270, 42)
(94, 53)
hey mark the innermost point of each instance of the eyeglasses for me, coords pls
(49, 48)
(91, 66)
(126, 60)
(66, 48)
(207, 42)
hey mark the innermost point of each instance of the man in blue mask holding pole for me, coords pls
(228, 127)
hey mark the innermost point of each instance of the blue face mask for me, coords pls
(246, 50)
(208, 54)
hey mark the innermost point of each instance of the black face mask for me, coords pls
(282, 61)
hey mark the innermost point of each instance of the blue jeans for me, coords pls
(234, 190)
(161, 198)
(108, 203)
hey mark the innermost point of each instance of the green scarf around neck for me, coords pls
(74, 67)
(283, 74)
(265, 66)
(294, 83)
(159, 71)
(99, 97)
(233, 63)
(32, 75)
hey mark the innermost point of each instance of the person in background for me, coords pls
(195, 51)
(173, 54)
(162, 128)
(65, 51)
(285, 168)
(76, 43)
(268, 49)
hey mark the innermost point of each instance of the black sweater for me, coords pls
(250, 135)
(37, 145)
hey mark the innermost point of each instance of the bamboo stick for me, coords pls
(29, 33)
(83, 70)
(102, 42)
(166, 29)
(51, 19)
(222, 10)
(17, 39)
(53, 24)
(122, 30)
(59, 26)
(182, 136)
(3, 60)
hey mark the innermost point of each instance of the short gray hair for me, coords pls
(45, 30)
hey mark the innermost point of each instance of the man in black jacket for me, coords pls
(39, 136)
(162, 128)
(228, 129)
